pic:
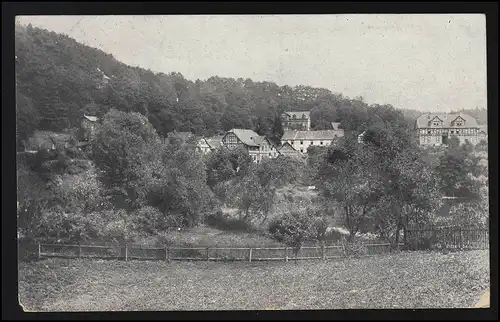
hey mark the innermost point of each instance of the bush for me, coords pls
(105, 226)
(224, 222)
(149, 220)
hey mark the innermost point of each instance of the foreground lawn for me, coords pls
(404, 280)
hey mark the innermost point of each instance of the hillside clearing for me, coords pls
(454, 280)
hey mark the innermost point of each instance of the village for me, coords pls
(431, 129)
(250, 163)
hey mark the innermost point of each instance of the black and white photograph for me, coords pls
(252, 162)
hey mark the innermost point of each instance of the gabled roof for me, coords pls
(286, 146)
(46, 140)
(214, 141)
(184, 135)
(299, 114)
(424, 119)
(312, 135)
(91, 118)
(246, 136)
(335, 125)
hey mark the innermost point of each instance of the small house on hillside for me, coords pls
(206, 145)
(185, 135)
(46, 140)
(288, 150)
(89, 126)
(257, 146)
(361, 137)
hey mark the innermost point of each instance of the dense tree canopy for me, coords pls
(59, 79)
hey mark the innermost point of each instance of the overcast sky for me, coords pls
(425, 62)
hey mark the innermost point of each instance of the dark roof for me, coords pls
(423, 121)
(298, 114)
(45, 140)
(246, 136)
(286, 145)
(184, 135)
(335, 125)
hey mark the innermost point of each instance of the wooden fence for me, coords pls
(450, 237)
(132, 252)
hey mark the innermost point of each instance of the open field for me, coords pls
(399, 280)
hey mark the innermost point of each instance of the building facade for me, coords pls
(288, 150)
(483, 133)
(296, 121)
(89, 126)
(258, 147)
(301, 140)
(207, 145)
(439, 128)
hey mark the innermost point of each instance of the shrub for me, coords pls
(149, 220)
(294, 229)
(221, 221)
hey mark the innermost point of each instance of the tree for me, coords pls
(294, 228)
(175, 182)
(410, 195)
(27, 118)
(124, 143)
(350, 178)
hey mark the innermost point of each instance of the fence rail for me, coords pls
(132, 252)
(450, 237)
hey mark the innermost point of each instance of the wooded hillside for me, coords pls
(59, 79)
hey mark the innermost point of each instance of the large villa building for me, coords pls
(301, 140)
(296, 121)
(438, 128)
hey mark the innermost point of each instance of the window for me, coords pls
(302, 150)
(437, 139)
(451, 131)
(294, 116)
(301, 142)
(459, 123)
(429, 132)
(321, 142)
(312, 142)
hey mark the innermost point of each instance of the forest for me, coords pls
(138, 177)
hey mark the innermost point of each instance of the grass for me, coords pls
(399, 280)
(203, 236)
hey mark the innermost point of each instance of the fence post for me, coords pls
(126, 252)
(323, 254)
(79, 251)
(249, 254)
(286, 254)
(39, 250)
(460, 239)
(207, 253)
